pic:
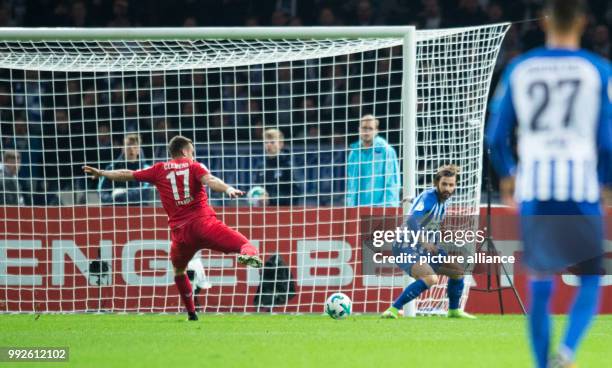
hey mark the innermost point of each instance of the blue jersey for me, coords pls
(427, 211)
(558, 101)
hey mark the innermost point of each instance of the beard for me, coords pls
(446, 195)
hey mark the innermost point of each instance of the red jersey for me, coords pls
(180, 189)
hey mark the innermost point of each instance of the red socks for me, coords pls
(184, 287)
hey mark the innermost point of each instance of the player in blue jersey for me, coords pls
(557, 99)
(427, 213)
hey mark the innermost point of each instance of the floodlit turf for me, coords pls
(152, 340)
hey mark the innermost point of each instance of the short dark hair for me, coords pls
(563, 13)
(446, 171)
(177, 144)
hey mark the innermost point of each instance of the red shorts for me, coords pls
(209, 233)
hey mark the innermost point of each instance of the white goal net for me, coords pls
(274, 112)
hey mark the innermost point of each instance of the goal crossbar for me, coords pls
(190, 33)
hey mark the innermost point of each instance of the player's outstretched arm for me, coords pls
(218, 185)
(114, 175)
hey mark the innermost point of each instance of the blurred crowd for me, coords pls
(425, 14)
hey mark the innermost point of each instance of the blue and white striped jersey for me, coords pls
(427, 211)
(559, 102)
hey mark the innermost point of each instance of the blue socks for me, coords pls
(539, 319)
(410, 292)
(582, 312)
(454, 290)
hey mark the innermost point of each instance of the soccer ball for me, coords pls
(257, 196)
(338, 306)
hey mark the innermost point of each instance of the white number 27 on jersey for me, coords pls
(172, 177)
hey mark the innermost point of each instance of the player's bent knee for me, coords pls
(455, 273)
(430, 280)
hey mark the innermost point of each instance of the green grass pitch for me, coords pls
(259, 340)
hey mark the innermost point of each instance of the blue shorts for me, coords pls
(417, 251)
(562, 237)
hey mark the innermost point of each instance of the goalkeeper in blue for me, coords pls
(557, 99)
(427, 214)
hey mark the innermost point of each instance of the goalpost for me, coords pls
(70, 97)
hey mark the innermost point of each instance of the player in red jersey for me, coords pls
(193, 223)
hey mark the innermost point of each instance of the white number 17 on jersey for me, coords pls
(172, 177)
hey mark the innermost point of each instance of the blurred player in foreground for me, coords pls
(557, 98)
(427, 213)
(193, 223)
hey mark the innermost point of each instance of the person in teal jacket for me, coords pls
(373, 177)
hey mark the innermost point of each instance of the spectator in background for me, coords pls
(469, 14)
(252, 21)
(364, 13)
(279, 19)
(132, 192)
(103, 152)
(430, 16)
(600, 41)
(257, 131)
(254, 113)
(158, 94)
(161, 133)
(121, 16)
(355, 106)
(335, 82)
(30, 150)
(532, 35)
(190, 22)
(236, 103)
(189, 116)
(275, 171)
(61, 12)
(495, 13)
(10, 190)
(6, 16)
(284, 90)
(6, 115)
(373, 177)
(78, 15)
(306, 112)
(28, 94)
(296, 22)
(327, 18)
(59, 159)
(215, 130)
